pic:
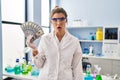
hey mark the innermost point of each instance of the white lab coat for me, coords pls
(59, 60)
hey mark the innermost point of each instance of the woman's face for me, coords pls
(58, 22)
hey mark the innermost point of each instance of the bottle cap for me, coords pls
(17, 60)
(99, 29)
(88, 66)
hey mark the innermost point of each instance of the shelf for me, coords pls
(102, 57)
(89, 41)
(109, 44)
(110, 41)
(71, 27)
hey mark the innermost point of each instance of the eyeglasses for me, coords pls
(56, 19)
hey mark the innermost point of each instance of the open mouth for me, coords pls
(59, 27)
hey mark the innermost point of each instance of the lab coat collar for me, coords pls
(65, 40)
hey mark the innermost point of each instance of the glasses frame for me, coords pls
(58, 19)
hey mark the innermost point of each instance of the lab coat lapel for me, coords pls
(66, 40)
(53, 40)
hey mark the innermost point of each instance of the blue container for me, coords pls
(9, 69)
(88, 78)
(35, 73)
(86, 50)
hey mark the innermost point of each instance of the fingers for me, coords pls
(35, 52)
(28, 40)
(29, 43)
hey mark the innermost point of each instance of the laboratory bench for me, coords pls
(101, 61)
(20, 76)
(29, 77)
(109, 64)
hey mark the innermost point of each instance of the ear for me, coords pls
(66, 20)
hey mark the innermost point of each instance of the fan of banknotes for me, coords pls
(31, 28)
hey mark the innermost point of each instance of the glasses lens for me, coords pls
(60, 19)
(54, 19)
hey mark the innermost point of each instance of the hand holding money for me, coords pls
(31, 28)
(29, 43)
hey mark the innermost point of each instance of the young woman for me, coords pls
(59, 53)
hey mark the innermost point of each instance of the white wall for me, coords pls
(96, 12)
(0, 45)
(13, 44)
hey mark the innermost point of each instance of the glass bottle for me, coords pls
(91, 36)
(88, 70)
(95, 36)
(24, 67)
(98, 77)
(29, 66)
(17, 69)
(88, 75)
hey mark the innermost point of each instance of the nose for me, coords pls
(58, 21)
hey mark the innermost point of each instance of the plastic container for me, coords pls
(99, 34)
(98, 77)
(9, 69)
(91, 37)
(24, 72)
(95, 36)
(88, 70)
(29, 67)
(88, 78)
(35, 71)
(24, 67)
(17, 68)
(88, 75)
(24, 63)
(86, 50)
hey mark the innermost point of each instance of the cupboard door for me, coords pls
(116, 67)
(106, 65)
(94, 61)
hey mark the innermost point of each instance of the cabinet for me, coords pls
(109, 46)
(116, 67)
(102, 63)
(111, 41)
(87, 36)
(106, 52)
(109, 66)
